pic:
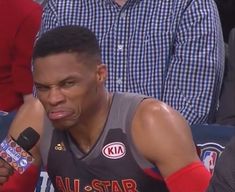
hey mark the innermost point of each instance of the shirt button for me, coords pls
(120, 47)
(119, 81)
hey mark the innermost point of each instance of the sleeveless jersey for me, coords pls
(112, 165)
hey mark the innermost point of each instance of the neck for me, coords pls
(88, 132)
(121, 2)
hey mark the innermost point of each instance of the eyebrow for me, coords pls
(72, 77)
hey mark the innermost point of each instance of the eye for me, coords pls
(41, 88)
(68, 84)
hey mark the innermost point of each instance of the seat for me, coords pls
(211, 140)
(226, 111)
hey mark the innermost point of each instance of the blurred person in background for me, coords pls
(226, 110)
(226, 11)
(170, 50)
(223, 179)
(19, 24)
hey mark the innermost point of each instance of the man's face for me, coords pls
(66, 87)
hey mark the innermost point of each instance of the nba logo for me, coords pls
(209, 153)
(209, 160)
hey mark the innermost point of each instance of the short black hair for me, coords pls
(68, 39)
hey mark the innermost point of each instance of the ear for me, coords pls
(101, 73)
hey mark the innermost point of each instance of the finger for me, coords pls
(5, 171)
(1, 162)
(3, 180)
(6, 165)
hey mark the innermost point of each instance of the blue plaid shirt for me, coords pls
(169, 49)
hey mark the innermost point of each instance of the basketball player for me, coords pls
(95, 140)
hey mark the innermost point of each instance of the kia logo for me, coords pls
(115, 150)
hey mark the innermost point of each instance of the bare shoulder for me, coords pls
(154, 112)
(163, 136)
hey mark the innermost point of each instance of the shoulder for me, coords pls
(197, 10)
(162, 135)
(23, 9)
(25, 6)
(156, 119)
(154, 112)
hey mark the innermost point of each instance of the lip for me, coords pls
(59, 114)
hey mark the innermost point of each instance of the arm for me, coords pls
(223, 177)
(28, 97)
(49, 17)
(197, 62)
(170, 146)
(23, 47)
(30, 114)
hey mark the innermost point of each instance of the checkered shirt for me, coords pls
(169, 49)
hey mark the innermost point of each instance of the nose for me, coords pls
(55, 96)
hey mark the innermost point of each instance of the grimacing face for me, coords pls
(66, 88)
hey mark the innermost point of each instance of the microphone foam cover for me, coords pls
(28, 138)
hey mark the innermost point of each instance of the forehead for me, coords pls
(58, 66)
(58, 62)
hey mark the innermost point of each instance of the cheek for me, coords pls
(86, 100)
(41, 97)
(82, 95)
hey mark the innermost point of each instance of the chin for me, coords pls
(61, 126)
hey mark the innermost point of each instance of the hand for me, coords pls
(5, 171)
